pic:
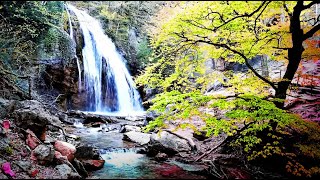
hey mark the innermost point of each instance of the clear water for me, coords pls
(107, 82)
(123, 162)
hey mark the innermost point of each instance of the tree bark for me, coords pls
(294, 54)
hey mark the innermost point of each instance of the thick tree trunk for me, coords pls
(294, 54)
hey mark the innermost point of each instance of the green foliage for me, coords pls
(304, 159)
(258, 114)
(175, 105)
(22, 24)
(144, 53)
(188, 33)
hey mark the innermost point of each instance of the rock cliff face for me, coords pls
(58, 75)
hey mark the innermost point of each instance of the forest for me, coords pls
(159, 89)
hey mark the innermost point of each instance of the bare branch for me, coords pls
(240, 16)
(224, 21)
(311, 32)
(286, 9)
(240, 54)
(255, 21)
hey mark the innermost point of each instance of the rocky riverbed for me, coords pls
(35, 143)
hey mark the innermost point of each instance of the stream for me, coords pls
(122, 161)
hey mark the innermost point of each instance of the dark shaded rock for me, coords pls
(141, 151)
(217, 85)
(122, 129)
(202, 136)
(4, 145)
(25, 165)
(87, 152)
(64, 118)
(80, 168)
(151, 115)
(96, 124)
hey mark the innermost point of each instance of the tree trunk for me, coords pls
(294, 54)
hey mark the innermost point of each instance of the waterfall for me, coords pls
(72, 38)
(106, 80)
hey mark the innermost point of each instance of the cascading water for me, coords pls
(107, 82)
(72, 38)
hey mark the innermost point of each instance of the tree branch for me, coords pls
(243, 56)
(240, 16)
(286, 9)
(255, 21)
(311, 32)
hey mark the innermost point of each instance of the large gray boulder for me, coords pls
(138, 137)
(167, 143)
(31, 114)
(44, 153)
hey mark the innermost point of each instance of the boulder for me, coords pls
(216, 85)
(93, 164)
(87, 152)
(31, 114)
(6, 106)
(25, 165)
(167, 143)
(44, 154)
(66, 149)
(64, 170)
(138, 137)
(80, 168)
(60, 159)
(132, 128)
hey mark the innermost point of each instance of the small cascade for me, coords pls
(72, 37)
(77, 124)
(108, 84)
